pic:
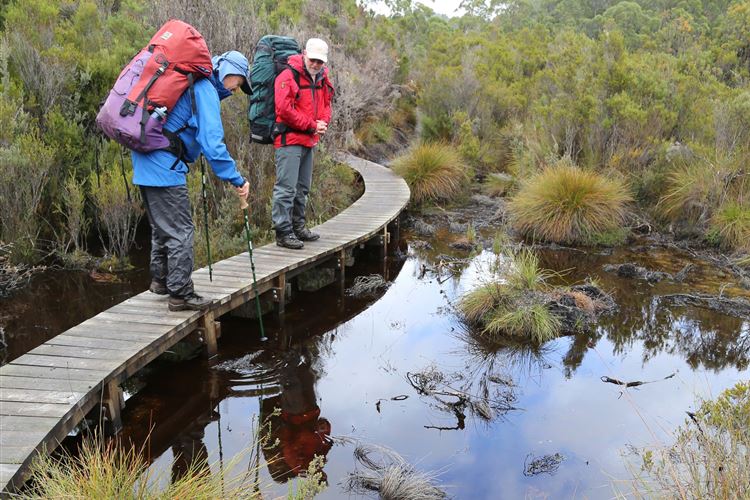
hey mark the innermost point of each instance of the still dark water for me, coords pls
(338, 361)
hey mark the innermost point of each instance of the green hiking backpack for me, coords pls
(270, 59)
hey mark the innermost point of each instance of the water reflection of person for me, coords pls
(298, 432)
(189, 450)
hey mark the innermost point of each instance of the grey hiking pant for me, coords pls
(168, 210)
(294, 166)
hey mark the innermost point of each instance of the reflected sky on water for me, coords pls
(354, 353)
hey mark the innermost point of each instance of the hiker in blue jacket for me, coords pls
(161, 176)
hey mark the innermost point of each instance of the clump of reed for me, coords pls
(707, 199)
(567, 204)
(103, 469)
(709, 457)
(434, 172)
(391, 476)
(514, 305)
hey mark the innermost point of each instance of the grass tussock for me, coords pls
(434, 172)
(690, 192)
(514, 303)
(105, 470)
(498, 184)
(730, 226)
(566, 204)
(710, 455)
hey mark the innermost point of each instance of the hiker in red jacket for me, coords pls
(303, 94)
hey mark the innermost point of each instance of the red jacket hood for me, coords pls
(297, 62)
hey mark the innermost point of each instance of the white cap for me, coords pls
(316, 49)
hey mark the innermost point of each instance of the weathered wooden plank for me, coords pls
(16, 423)
(20, 438)
(16, 454)
(136, 317)
(105, 324)
(48, 349)
(116, 334)
(97, 342)
(51, 372)
(12, 382)
(63, 362)
(39, 396)
(34, 409)
(7, 471)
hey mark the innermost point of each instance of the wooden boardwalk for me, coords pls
(45, 393)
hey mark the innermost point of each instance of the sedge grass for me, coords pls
(566, 204)
(731, 225)
(513, 305)
(434, 172)
(476, 304)
(691, 189)
(102, 469)
(534, 321)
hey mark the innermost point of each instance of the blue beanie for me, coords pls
(232, 63)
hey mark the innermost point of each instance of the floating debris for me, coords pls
(546, 464)
(240, 365)
(636, 383)
(489, 403)
(365, 285)
(391, 476)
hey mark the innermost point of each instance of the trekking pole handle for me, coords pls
(243, 204)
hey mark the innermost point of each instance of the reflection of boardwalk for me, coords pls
(45, 393)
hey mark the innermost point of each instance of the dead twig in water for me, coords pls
(636, 383)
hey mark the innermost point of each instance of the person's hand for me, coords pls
(242, 193)
(321, 127)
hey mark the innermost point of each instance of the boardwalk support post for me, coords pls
(112, 401)
(341, 270)
(209, 334)
(279, 293)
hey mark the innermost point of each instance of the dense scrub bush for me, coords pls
(567, 204)
(433, 171)
(117, 214)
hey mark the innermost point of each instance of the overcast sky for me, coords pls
(446, 7)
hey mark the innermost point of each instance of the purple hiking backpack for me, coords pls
(149, 86)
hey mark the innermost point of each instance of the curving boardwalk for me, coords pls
(45, 393)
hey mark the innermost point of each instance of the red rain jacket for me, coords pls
(298, 107)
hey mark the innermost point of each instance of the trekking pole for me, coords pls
(205, 218)
(124, 177)
(246, 214)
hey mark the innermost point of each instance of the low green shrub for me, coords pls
(710, 454)
(566, 204)
(434, 172)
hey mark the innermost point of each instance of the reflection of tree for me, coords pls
(702, 337)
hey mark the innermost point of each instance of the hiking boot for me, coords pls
(289, 241)
(158, 288)
(192, 302)
(305, 234)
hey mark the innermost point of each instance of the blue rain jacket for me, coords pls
(205, 134)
